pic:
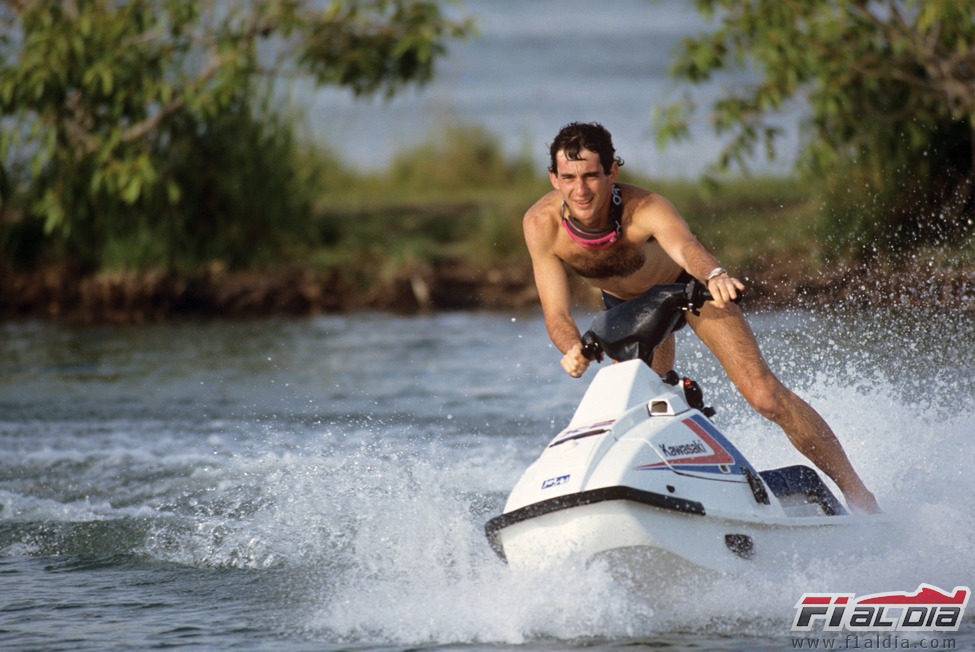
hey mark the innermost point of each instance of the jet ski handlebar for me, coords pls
(633, 329)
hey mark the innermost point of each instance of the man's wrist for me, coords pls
(717, 271)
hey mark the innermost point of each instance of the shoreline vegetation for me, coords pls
(440, 229)
(58, 294)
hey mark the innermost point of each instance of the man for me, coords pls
(624, 240)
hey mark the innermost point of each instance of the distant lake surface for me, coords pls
(535, 67)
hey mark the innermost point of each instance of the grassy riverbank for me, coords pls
(440, 228)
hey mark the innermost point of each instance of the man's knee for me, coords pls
(770, 399)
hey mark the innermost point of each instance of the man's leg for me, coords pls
(726, 332)
(663, 356)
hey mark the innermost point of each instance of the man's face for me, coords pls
(584, 186)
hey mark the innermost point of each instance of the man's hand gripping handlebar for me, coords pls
(693, 296)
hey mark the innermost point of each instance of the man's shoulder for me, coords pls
(639, 196)
(544, 212)
(644, 204)
(541, 224)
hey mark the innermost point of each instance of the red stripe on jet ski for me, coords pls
(719, 454)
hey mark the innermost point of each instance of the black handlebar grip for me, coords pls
(698, 295)
(590, 347)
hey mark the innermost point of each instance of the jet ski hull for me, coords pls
(587, 524)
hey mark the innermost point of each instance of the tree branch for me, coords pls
(140, 129)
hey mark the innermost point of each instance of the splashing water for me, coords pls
(286, 481)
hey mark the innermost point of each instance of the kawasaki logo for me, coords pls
(684, 450)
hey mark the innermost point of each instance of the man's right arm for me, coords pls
(554, 293)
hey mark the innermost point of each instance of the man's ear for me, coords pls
(614, 171)
(554, 179)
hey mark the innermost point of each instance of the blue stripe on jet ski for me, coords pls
(708, 427)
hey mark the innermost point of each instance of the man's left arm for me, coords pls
(675, 237)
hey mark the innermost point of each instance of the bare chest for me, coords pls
(624, 268)
(621, 259)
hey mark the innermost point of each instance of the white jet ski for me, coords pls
(641, 467)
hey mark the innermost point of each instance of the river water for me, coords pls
(322, 483)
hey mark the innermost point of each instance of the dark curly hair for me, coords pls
(576, 136)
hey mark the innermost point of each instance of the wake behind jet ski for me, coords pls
(642, 467)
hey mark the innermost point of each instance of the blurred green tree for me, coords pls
(147, 131)
(890, 127)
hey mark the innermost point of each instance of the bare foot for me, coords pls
(863, 503)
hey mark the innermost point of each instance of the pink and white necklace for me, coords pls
(596, 238)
